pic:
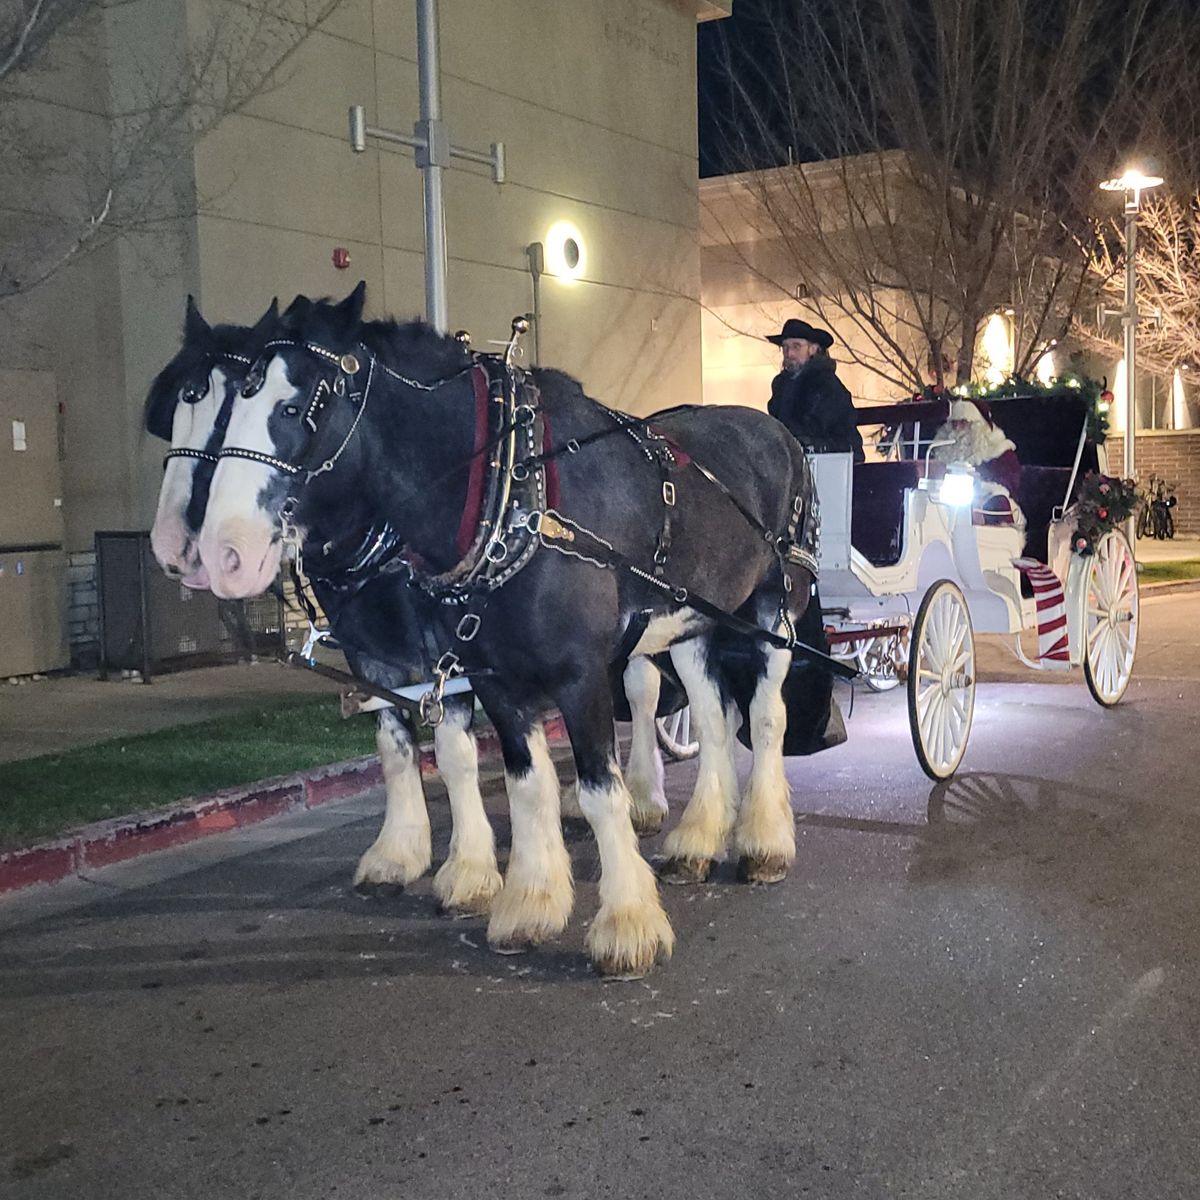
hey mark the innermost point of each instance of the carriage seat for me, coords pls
(877, 511)
(1042, 490)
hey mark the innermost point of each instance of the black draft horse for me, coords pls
(343, 425)
(189, 405)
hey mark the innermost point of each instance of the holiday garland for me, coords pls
(1104, 503)
(1094, 391)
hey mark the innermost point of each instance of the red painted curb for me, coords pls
(123, 838)
(37, 864)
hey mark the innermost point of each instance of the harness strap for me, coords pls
(474, 502)
(557, 533)
(183, 452)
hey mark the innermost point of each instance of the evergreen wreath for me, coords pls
(1104, 503)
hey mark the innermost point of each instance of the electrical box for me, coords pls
(31, 512)
(146, 619)
(33, 608)
(33, 566)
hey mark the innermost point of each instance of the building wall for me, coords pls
(596, 107)
(1176, 458)
(750, 286)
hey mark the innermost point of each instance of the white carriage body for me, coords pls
(937, 541)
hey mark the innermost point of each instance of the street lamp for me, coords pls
(1133, 183)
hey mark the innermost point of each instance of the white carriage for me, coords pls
(911, 569)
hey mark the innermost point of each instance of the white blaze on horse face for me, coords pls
(238, 543)
(170, 538)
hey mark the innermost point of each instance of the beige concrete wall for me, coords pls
(596, 106)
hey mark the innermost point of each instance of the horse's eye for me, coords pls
(190, 394)
(291, 410)
(254, 380)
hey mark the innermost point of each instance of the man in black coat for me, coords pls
(808, 397)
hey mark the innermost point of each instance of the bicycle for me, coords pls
(1155, 519)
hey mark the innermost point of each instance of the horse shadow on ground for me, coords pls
(270, 912)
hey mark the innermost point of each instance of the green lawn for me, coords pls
(1163, 572)
(41, 797)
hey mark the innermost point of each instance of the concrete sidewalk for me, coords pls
(60, 712)
(1148, 550)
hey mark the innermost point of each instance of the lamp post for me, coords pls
(1133, 183)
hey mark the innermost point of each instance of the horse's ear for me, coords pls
(352, 306)
(194, 325)
(297, 306)
(269, 318)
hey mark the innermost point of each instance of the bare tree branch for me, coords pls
(76, 175)
(949, 154)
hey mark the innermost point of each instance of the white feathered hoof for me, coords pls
(625, 943)
(385, 873)
(466, 889)
(647, 821)
(762, 868)
(685, 870)
(522, 918)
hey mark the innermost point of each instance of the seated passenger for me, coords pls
(973, 437)
(808, 397)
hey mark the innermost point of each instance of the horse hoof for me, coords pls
(465, 912)
(768, 868)
(370, 889)
(685, 870)
(647, 824)
(510, 948)
(626, 943)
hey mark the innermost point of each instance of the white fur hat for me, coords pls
(963, 409)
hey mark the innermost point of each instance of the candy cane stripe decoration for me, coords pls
(1053, 652)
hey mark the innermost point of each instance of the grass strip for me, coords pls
(1168, 572)
(46, 796)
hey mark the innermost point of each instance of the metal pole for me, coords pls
(1130, 321)
(1132, 204)
(432, 161)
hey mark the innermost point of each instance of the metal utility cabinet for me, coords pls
(33, 564)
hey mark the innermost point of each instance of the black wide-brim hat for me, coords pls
(795, 328)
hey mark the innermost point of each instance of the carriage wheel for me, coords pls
(1111, 619)
(879, 659)
(941, 680)
(675, 735)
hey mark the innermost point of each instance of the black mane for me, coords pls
(415, 348)
(412, 348)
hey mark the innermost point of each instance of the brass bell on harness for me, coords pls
(349, 364)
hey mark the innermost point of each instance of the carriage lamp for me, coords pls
(958, 486)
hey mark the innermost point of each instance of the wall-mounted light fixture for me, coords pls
(566, 255)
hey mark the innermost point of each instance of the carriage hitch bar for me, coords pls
(412, 704)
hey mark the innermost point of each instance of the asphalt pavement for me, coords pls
(986, 989)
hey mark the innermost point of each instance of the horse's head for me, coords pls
(298, 404)
(188, 405)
